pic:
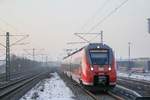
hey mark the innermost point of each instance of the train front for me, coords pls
(101, 71)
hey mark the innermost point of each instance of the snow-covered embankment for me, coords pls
(50, 89)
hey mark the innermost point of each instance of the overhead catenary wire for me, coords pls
(105, 17)
(8, 24)
(90, 20)
(108, 15)
(99, 22)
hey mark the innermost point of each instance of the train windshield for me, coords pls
(99, 57)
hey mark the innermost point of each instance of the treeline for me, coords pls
(23, 64)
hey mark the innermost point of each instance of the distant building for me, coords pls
(136, 65)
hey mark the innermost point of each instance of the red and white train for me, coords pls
(93, 66)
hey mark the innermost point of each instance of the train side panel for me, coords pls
(76, 68)
(86, 76)
(93, 65)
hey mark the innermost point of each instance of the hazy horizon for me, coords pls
(51, 24)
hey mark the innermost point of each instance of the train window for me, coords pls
(99, 57)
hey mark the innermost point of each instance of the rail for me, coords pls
(91, 94)
(10, 90)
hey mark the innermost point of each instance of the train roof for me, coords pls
(97, 45)
(90, 46)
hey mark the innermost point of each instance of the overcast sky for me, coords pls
(51, 24)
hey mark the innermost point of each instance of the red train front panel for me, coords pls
(93, 65)
(98, 67)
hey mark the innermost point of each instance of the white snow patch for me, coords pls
(145, 77)
(50, 89)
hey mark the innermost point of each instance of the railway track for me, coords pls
(15, 90)
(141, 87)
(81, 92)
(136, 80)
(100, 95)
(17, 75)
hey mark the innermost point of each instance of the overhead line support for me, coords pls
(7, 57)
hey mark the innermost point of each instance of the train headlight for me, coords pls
(109, 68)
(98, 46)
(91, 68)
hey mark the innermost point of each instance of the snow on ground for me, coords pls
(50, 89)
(145, 77)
